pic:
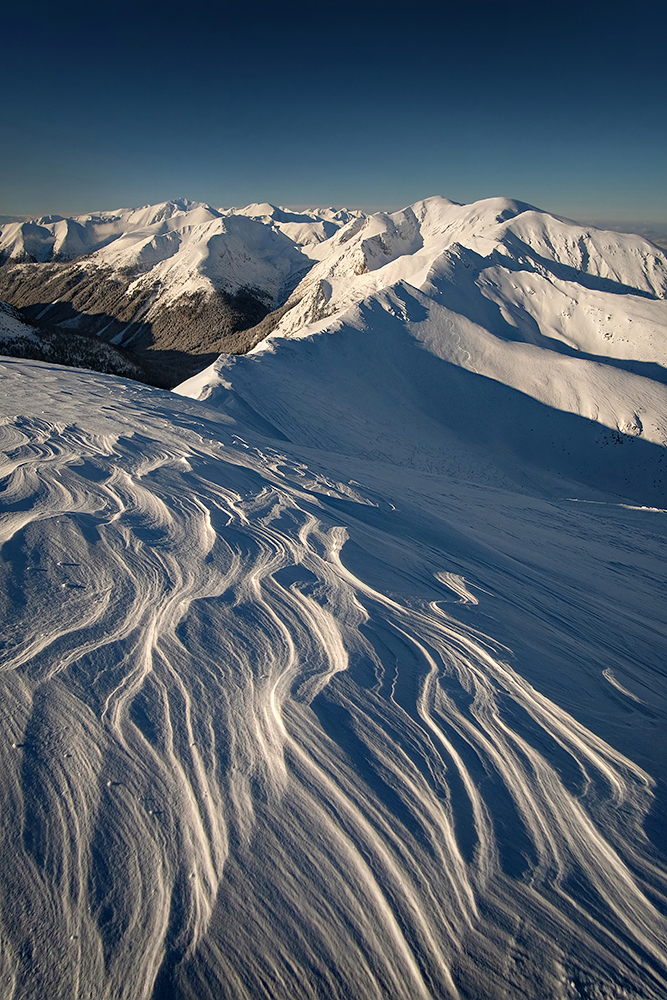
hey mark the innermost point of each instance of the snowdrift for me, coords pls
(280, 721)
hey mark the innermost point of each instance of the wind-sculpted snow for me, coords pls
(264, 735)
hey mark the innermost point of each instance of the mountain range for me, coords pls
(179, 282)
(168, 281)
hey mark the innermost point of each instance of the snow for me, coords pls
(339, 672)
(555, 271)
(13, 327)
(306, 228)
(175, 250)
(567, 279)
(426, 405)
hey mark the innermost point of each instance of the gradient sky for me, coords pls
(366, 104)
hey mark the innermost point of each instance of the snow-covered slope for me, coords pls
(346, 677)
(519, 271)
(306, 228)
(382, 386)
(54, 238)
(24, 340)
(13, 328)
(462, 305)
(296, 719)
(181, 279)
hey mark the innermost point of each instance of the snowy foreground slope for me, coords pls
(287, 713)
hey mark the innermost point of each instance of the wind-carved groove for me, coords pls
(241, 770)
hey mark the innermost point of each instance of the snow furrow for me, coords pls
(235, 765)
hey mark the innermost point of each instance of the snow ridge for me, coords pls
(571, 318)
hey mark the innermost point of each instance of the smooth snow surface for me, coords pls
(305, 697)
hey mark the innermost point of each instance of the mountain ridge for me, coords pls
(168, 281)
(181, 281)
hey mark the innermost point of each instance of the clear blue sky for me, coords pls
(366, 104)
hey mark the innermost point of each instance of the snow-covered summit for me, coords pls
(55, 238)
(564, 319)
(427, 240)
(502, 265)
(183, 276)
(308, 227)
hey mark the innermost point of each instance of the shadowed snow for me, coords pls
(282, 718)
